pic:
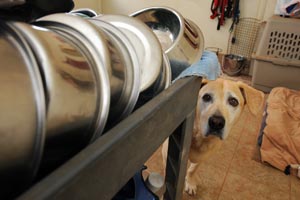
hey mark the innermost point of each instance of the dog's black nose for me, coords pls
(216, 122)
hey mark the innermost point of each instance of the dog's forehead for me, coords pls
(221, 87)
(231, 86)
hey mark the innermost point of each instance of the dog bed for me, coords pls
(280, 145)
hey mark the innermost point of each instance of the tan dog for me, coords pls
(220, 103)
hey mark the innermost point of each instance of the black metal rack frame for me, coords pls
(101, 169)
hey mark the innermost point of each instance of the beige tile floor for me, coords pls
(236, 172)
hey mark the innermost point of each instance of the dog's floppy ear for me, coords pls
(254, 99)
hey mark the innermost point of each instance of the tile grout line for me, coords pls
(227, 171)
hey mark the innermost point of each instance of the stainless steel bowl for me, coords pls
(167, 72)
(91, 42)
(122, 99)
(162, 83)
(73, 92)
(146, 44)
(23, 113)
(233, 64)
(180, 38)
(126, 70)
(164, 80)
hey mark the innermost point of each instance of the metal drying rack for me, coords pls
(243, 37)
(101, 169)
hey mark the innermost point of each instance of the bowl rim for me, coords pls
(18, 39)
(145, 36)
(171, 10)
(134, 78)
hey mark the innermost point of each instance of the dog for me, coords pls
(219, 106)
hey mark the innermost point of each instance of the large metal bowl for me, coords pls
(23, 114)
(180, 38)
(167, 74)
(106, 48)
(76, 98)
(162, 83)
(126, 69)
(91, 42)
(145, 43)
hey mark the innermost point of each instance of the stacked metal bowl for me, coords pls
(68, 77)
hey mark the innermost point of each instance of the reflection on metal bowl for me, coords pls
(23, 114)
(180, 38)
(164, 79)
(162, 83)
(90, 41)
(126, 69)
(167, 72)
(145, 43)
(84, 12)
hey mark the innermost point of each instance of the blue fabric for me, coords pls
(207, 67)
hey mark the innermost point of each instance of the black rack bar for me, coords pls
(101, 169)
(177, 158)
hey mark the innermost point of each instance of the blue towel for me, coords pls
(207, 67)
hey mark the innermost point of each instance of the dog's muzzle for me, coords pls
(216, 125)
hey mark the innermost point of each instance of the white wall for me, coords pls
(198, 11)
(95, 5)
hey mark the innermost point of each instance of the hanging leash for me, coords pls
(222, 9)
(229, 9)
(221, 16)
(236, 14)
(214, 8)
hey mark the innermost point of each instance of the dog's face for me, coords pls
(220, 104)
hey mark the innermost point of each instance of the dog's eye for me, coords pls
(233, 101)
(206, 98)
